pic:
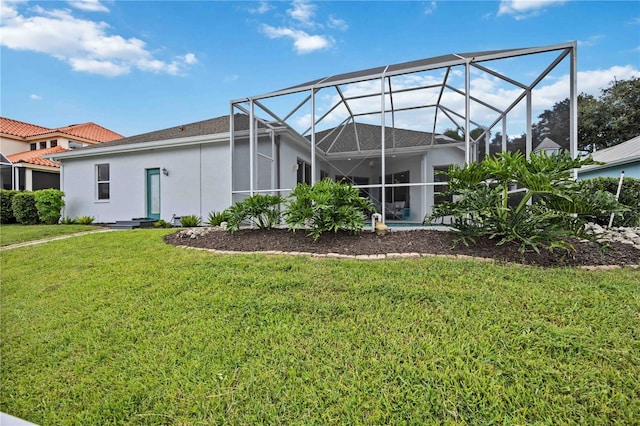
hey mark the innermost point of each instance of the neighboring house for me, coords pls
(24, 147)
(186, 170)
(618, 158)
(549, 146)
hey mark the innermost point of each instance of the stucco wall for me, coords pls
(198, 182)
(10, 146)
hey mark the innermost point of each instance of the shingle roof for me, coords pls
(36, 157)
(211, 126)
(89, 131)
(624, 153)
(369, 138)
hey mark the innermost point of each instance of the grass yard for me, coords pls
(123, 329)
(13, 234)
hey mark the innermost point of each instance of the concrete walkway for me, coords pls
(46, 240)
(8, 420)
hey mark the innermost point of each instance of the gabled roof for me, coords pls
(89, 131)
(623, 153)
(547, 144)
(36, 157)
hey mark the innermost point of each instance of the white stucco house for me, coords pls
(380, 129)
(186, 170)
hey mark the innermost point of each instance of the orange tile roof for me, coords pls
(36, 157)
(89, 131)
(20, 128)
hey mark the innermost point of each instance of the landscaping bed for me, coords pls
(412, 241)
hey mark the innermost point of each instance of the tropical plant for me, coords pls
(259, 210)
(85, 220)
(216, 218)
(190, 221)
(326, 206)
(24, 208)
(547, 207)
(6, 209)
(49, 203)
(68, 220)
(629, 196)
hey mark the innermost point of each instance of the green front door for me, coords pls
(153, 193)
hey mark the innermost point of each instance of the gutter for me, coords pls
(609, 164)
(141, 146)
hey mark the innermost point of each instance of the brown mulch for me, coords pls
(414, 241)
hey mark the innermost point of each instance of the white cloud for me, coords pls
(232, 77)
(337, 23)
(303, 12)
(263, 7)
(302, 42)
(590, 41)
(431, 8)
(522, 9)
(84, 44)
(89, 5)
(35, 97)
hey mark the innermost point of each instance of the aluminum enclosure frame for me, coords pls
(274, 123)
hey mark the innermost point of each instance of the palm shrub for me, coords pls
(6, 209)
(49, 203)
(216, 218)
(546, 209)
(261, 210)
(24, 208)
(190, 221)
(85, 220)
(326, 206)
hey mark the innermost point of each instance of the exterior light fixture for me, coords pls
(165, 171)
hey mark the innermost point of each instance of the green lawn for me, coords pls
(119, 328)
(13, 234)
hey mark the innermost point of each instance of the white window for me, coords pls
(102, 182)
(74, 145)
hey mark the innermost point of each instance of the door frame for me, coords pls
(149, 173)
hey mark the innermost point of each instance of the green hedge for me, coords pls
(24, 208)
(6, 208)
(629, 196)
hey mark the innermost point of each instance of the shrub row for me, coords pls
(29, 208)
(325, 206)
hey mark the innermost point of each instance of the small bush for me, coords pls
(162, 224)
(49, 203)
(262, 211)
(67, 220)
(216, 218)
(190, 221)
(327, 206)
(24, 208)
(85, 220)
(6, 209)
(629, 196)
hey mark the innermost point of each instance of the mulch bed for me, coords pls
(415, 241)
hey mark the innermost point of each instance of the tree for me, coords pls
(612, 119)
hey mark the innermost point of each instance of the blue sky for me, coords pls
(138, 66)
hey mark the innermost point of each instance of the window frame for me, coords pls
(101, 183)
